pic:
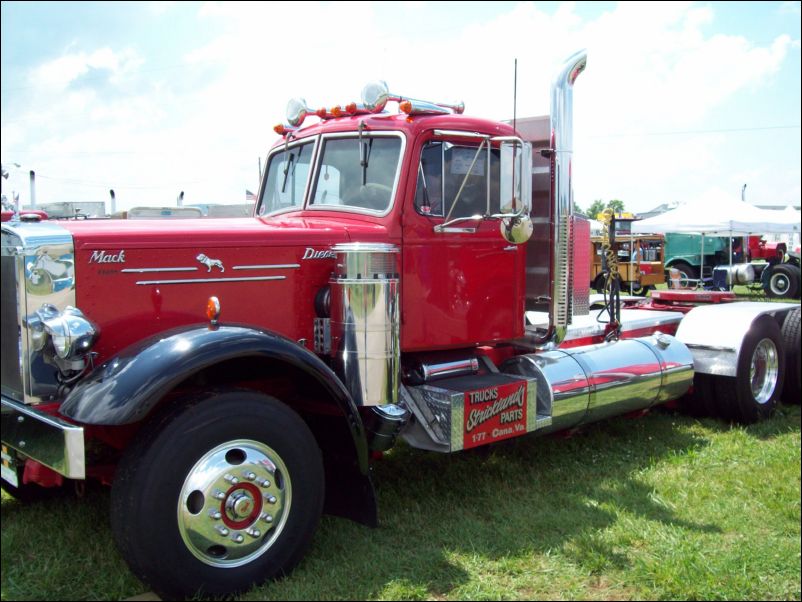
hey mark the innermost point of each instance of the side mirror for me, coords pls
(515, 182)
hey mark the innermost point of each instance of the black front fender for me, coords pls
(127, 387)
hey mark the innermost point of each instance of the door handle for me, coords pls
(511, 248)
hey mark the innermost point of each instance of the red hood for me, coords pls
(223, 232)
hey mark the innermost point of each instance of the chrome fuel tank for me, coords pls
(586, 384)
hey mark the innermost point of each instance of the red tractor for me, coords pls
(780, 273)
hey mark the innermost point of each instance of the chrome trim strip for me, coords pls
(460, 134)
(712, 348)
(144, 270)
(531, 405)
(47, 439)
(450, 230)
(290, 266)
(202, 280)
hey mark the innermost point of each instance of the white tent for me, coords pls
(719, 215)
(786, 221)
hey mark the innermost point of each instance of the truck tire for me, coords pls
(793, 357)
(641, 290)
(222, 492)
(753, 394)
(701, 400)
(686, 273)
(783, 281)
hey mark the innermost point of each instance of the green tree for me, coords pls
(578, 210)
(599, 205)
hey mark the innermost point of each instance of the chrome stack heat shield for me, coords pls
(365, 321)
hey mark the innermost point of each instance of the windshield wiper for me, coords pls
(364, 156)
(287, 172)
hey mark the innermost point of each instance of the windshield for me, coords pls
(287, 174)
(350, 176)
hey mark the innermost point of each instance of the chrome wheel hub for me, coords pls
(780, 284)
(234, 503)
(764, 371)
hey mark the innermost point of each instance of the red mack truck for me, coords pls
(411, 276)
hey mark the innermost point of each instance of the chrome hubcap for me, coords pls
(779, 284)
(764, 371)
(234, 503)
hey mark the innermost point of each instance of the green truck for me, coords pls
(684, 252)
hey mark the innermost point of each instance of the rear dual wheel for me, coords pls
(754, 392)
(222, 492)
(793, 357)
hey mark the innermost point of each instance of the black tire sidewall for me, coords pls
(147, 493)
(793, 359)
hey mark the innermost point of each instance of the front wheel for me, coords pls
(222, 492)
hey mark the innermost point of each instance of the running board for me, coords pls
(470, 411)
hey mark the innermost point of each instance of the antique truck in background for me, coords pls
(414, 276)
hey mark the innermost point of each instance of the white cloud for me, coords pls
(57, 74)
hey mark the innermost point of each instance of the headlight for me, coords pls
(73, 335)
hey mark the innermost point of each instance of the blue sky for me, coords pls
(680, 101)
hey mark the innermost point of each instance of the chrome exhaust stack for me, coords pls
(562, 196)
(364, 321)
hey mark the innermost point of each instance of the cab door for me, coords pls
(462, 286)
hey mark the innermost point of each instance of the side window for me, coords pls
(455, 180)
(287, 173)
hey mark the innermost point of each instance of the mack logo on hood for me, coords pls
(103, 257)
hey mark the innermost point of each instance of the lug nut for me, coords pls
(249, 475)
(270, 499)
(254, 533)
(231, 479)
(222, 530)
(215, 514)
(267, 518)
(219, 494)
(237, 538)
(263, 483)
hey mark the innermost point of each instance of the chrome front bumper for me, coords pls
(49, 440)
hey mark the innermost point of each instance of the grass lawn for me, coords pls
(662, 507)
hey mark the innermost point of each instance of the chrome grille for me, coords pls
(9, 312)
(38, 267)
